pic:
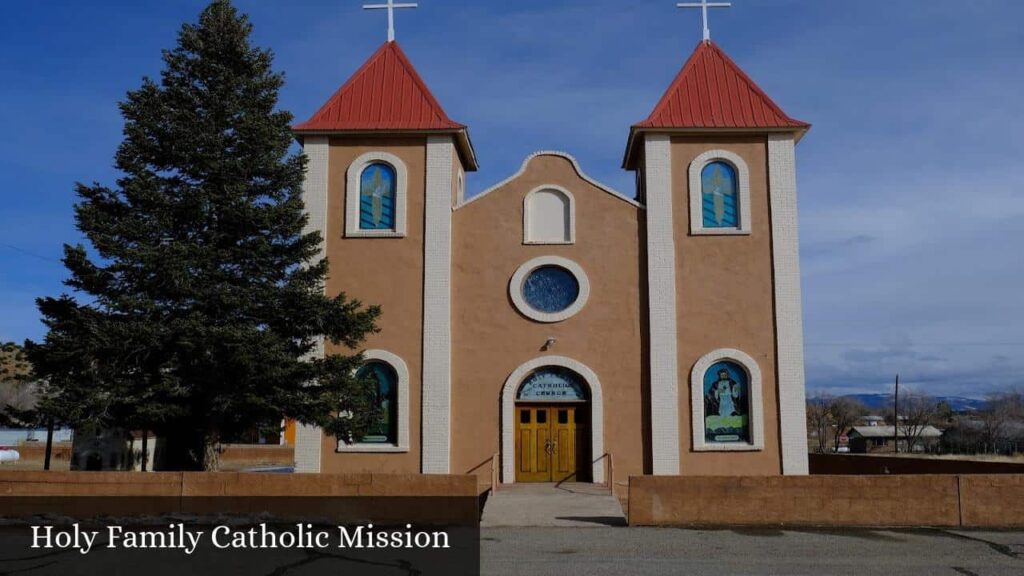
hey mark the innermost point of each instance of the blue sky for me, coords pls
(911, 181)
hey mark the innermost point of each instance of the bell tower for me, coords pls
(715, 167)
(386, 166)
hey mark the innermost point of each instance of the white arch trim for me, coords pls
(697, 401)
(402, 371)
(508, 402)
(576, 167)
(696, 205)
(354, 174)
(529, 218)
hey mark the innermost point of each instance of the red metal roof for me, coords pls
(386, 93)
(712, 92)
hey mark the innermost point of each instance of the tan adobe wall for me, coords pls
(725, 300)
(794, 500)
(491, 338)
(383, 271)
(176, 484)
(992, 500)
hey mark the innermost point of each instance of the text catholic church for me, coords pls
(550, 320)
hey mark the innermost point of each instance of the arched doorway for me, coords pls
(552, 423)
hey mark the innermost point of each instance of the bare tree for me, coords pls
(844, 413)
(1002, 408)
(818, 418)
(918, 411)
(18, 389)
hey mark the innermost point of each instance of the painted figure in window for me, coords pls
(719, 198)
(377, 198)
(383, 429)
(726, 417)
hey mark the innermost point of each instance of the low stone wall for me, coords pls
(892, 500)
(177, 484)
(867, 464)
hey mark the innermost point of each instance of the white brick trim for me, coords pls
(661, 286)
(515, 288)
(755, 409)
(437, 294)
(526, 215)
(575, 165)
(309, 439)
(402, 371)
(696, 204)
(354, 174)
(508, 402)
(789, 334)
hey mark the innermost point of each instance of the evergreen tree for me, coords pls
(204, 295)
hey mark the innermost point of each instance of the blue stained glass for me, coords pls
(719, 196)
(384, 428)
(550, 289)
(726, 393)
(377, 198)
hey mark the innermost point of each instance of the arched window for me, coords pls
(389, 431)
(384, 428)
(548, 216)
(377, 197)
(375, 194)
(726, 400)
(719, 195)
(726, 403)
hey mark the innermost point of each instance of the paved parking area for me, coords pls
(740, 552)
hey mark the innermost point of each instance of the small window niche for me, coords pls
(549, 216)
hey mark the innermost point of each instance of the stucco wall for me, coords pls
(725, 300)
(383, 271)
(491, 338)
(795, 500)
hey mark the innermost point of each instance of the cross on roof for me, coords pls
(390, 7)
(704, 5)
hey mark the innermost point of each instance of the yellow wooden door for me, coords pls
(533, 444)
(563, 442)
(548, 443)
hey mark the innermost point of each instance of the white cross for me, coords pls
(390, 7)
(704, 5)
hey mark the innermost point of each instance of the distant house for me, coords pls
(875, 438)
(873, 420)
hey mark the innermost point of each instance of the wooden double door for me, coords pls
(552, 442)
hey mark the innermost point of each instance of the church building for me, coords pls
(551, 322)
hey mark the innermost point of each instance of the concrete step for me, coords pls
(566, 504)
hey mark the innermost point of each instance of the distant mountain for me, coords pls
(884, 401)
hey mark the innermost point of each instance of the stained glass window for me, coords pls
(377, 197)
(553, 384)
(726, 404)
(719, 196)
(550, 289)
(384, 428)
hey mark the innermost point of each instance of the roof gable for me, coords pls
(386, 93)
(711, 91)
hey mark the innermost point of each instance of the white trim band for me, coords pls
(789, 332)
(508, 401)
(309, 439)
(696, 193)
(515, 288)
(755, 410)
(437, 307)
(661, 298)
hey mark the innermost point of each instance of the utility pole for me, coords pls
(896, 417)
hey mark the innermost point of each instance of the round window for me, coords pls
(550, 289)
